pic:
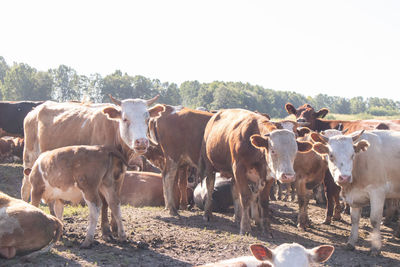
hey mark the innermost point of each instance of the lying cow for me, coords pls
(67, 173)
(222, 198)
(25, 228)
(146, 189)
(367, 177)
(245, 144)
(284, 255)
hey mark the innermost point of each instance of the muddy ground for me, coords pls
(156, 239)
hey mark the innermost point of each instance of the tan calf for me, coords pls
(67, 173)
(25, 228)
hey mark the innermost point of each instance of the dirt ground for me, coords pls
(157, 239)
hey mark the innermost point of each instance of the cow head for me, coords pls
(280, 150)
(341, 151)
(306, 115)
(294, 254)
(133, 116)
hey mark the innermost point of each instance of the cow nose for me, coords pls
(287, 178)
(141, 145)
(344, 178)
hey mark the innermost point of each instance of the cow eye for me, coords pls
(125, 120)
(331, 156)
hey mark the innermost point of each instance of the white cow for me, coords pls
(285, 255)
(367, 177)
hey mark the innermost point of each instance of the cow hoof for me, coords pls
(301, 227)
(327, 221)
(374, 252)
(397, 233)
(337, 218)
(173, 212)
(350, 247)
(207, 217)
(107, 237)
(86, 244)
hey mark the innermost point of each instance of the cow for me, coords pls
(53, 125)
(12, 116)
(25, 228)
(222, 198)
(366, 166)
(284, 255)
(11, 147)
(179, 134)
(146, 189)
(245, 145)
(68, 173)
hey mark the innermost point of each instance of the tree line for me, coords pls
(23, 82)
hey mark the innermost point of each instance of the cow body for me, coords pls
(285, 255)
(12, 116)
(234, 143)
(179, 134)
(222, 198)
(68, 173)
(367, 167)
(53, 125)
(25, 228)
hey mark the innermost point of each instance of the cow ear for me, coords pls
(316, 137)
(321, 148)
(112, 113)
(27, 171)
(258, 141)
(321, 113)
(321, 253)
(362, 145)
(156, 110)
(304, 147)
(302, 131)
(261, 252)
(290, 108)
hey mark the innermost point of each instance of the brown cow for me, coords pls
(53, 125)
(25, 228)
(179, 134)
(244, 145)
(6, 148)
(67, 173)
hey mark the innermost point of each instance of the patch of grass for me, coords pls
(69, 210)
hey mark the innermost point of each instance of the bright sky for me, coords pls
(343, 47)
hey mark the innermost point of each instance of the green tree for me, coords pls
(66, 84)
(19, 83)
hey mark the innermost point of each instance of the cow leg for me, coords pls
(302, 197)
(377, 203)
(26, 189)
(113, 202)
(58, 208)
(355, 214)
(169, 177)
(273, 191)
(390, 211)
(280, 187)
(182, 184)
(94, 203)
(292, 192)
(236, 204)
(239, 172)
(105, 225)
(210, 180)
(332, 195)
(8, 252)
(264, 207)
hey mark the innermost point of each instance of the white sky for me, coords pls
(342, 47)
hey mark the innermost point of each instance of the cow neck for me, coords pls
(122, 147)
(322, 125)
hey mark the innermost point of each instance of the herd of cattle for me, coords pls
(75, 152)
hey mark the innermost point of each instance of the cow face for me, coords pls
(280, 151)
(133, 117)
(294, 254)
(341, 151)
(306, 115)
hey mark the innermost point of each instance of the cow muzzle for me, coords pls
(344, 179)
(141, 145)
(287, 178)
(302, 122)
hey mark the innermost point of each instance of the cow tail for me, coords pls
(58, 233)
(200, 171)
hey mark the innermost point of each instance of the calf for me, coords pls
(285, 255)
(67, 173)
(367, 177)
(25, 228)
(245, 145)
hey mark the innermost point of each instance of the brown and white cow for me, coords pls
(285, 255)
(245, 145)
(68, 173)
(366, 165)
(53, 125)
(179, 134)
(25, 228)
